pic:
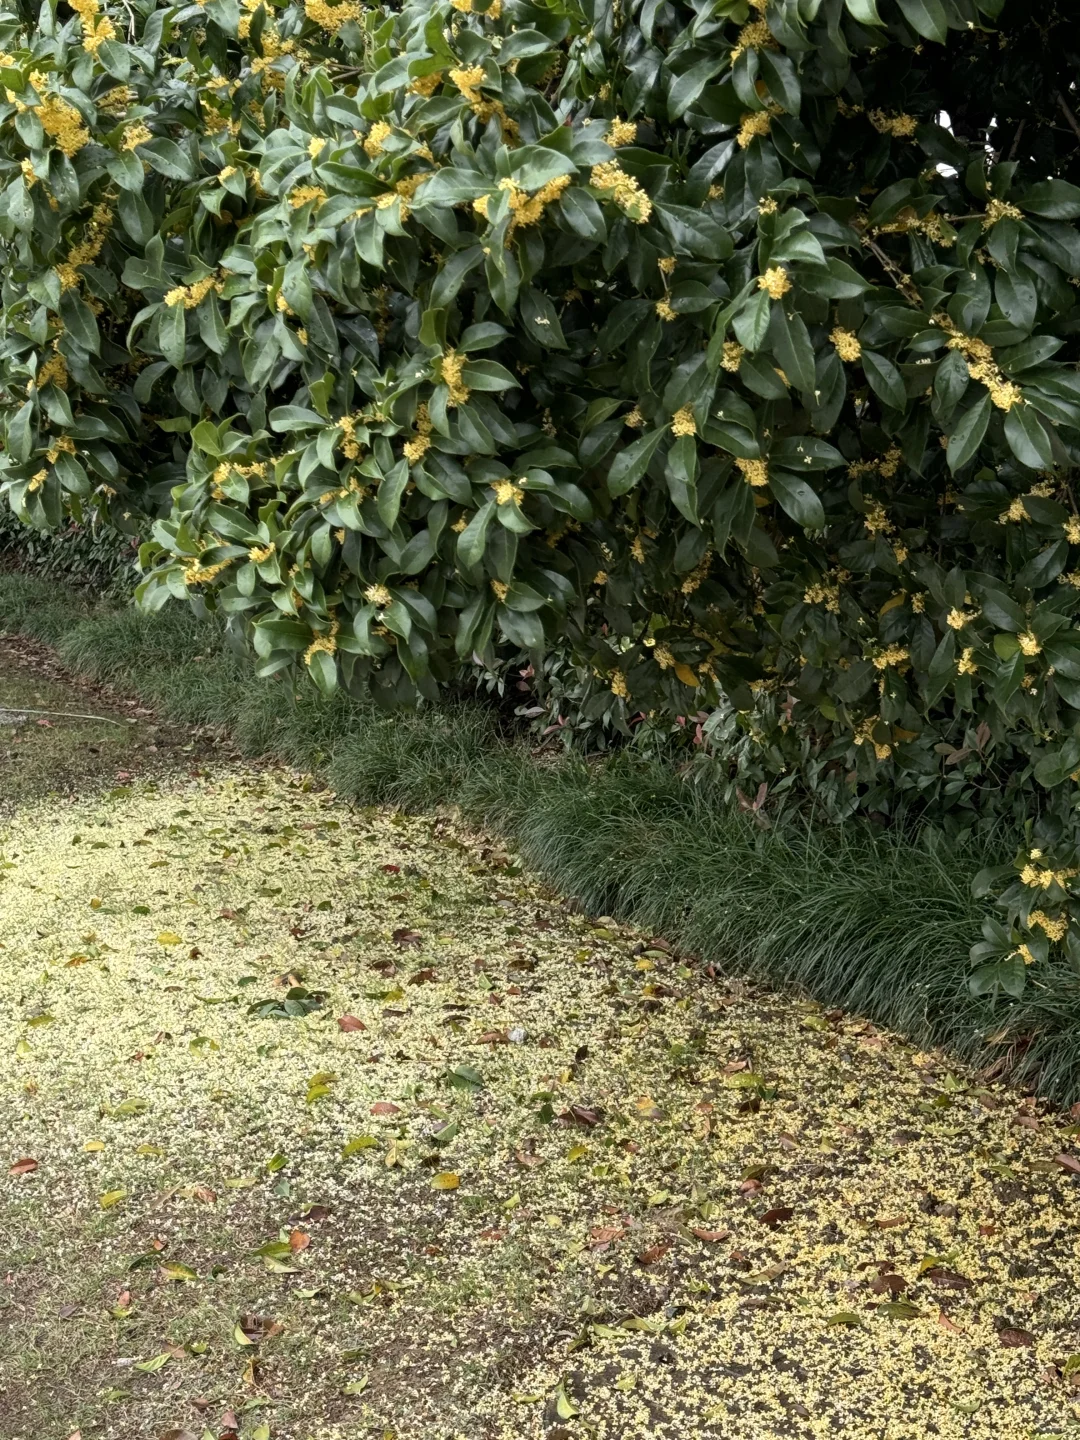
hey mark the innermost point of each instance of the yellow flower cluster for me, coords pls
(452, 365)
(754, 472)
(135, 135)
(1015, 513)
(378, 595)
(416, 449)
(624, 190)
(957, 619)
(698, 575)
(1000, 210)
(664, 310)
(754, 123)
(892, 655)
(864, 733)
(755, 36)
(731, 359)
(775, 281)
(53, 372)
(426, 84)
(981, 365)
(821, 594)
(500, 590)
(87, 251)
(621, 132)
(468, 82)
(118, 100)
(303, 193)
(1054, 928)
(96, 27)
(507, 493)
(64, 123)
(966, 665)
(900, 127)
(1038, 878)
(663, 657)
(682, 422)
(635, 419)
(467, 7)
(322, 645)
(876, 520)
(619, 687)
(194, 574)
(1072, 530)
(258, 554)
(666, 264)
(332, 17)
(526, 209)
(376, 138)
(191, 295)
(1029, 644)
(846, 344)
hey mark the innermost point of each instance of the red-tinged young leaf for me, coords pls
(709, 1236)
(385, 1107)
(25, 1166)
(349, 1023)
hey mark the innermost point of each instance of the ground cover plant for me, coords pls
(324, 1123)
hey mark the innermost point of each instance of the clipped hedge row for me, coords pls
(687, 337)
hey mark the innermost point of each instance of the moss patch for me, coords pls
(344, 1126)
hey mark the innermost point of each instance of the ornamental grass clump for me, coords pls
(759, 338)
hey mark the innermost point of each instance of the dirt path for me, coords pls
(64, 736)
(325, 1124)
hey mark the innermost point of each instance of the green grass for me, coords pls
(874, 921)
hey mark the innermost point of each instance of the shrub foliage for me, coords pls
(728, 347)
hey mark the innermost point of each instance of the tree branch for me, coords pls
(1068, 114)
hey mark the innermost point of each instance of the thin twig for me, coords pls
(1068, 113)
(1016, 138)
(899, 279)
(58, 714)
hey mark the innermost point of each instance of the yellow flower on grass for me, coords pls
(775, 281)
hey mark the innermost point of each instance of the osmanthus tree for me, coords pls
(727, 348)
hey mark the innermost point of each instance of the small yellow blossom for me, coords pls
(666, 264)
(957, 619)
(901, 127)
(619, 687)
(893, 655)
(452, 366)
(682, 422)
(500, 590)
(1029, 643)
(966, 664)
(635, 419)
(376, 138)
(754, 472)
(775, 281)
(624, 190)
(621, 132)
(754, 123)
(378, 595)
(1000, 210)
(847, 345)
(664, 310)
(1055, 928)
(332, 17)
(135, 135)
(731, 359)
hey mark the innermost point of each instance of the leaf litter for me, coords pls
(565, 1186)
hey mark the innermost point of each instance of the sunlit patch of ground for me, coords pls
(327, 1125)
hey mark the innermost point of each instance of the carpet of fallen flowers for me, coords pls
(323, 1123)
